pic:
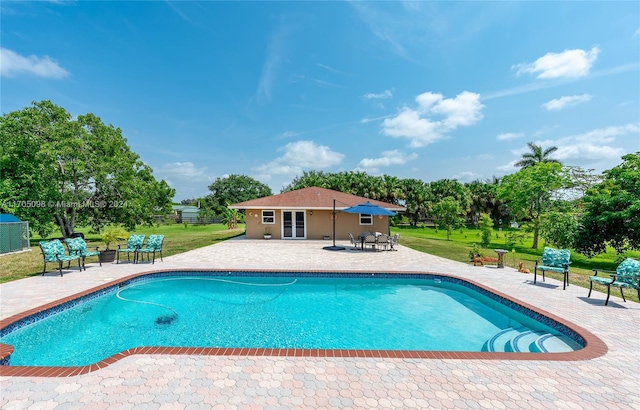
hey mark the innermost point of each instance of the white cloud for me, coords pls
(12, 64)
(188, 180)
(566, 101)
(383, 95)
(415, 124)
(301, 155)
(591, 149)
(568, 64)
(508, 168)
(394, 157)
(509, 136)
(467, 176)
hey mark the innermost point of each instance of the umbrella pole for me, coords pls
(334, 247)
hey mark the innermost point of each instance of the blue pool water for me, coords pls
(281, 312)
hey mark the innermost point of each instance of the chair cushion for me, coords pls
(77, 245)
(628, 273)
(601, 279)
(154, 243)
(555, 257)
(51, 249)
(552, 268)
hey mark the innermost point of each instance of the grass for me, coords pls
(434, 241)
(177, 239)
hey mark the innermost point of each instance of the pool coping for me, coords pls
(594, 346)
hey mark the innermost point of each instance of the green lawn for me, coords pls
(178, 239)
(434, 241)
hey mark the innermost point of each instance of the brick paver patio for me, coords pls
(226, 382)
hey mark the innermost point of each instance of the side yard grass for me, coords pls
(178, 239)
(434, 241)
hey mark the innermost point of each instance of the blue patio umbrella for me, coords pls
(369, 208)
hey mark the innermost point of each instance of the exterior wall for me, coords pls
(318, 225)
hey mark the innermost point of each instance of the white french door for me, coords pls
(293, 225)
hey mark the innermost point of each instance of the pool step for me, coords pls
(549, 343)
(524, 342)
(499, 341)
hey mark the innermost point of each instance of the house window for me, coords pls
(268, 217)
(366, 219)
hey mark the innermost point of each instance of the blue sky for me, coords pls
(425, 90)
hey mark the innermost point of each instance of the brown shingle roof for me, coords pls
(311, 198)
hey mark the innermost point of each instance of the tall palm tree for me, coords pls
(536, 156)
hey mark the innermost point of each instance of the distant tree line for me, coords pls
(567, 206)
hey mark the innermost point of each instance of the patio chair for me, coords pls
(383, 241)
(153, 245)
(554, 260)
(53, 251)
(369, 240)
(626, 275)
(134, 243)
(77, 246)
(394, 242)
(354, 242)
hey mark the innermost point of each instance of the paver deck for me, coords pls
(227, 382)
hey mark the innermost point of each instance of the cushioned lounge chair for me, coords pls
(153, 245)
(77, 246)
(134, 243)
(626, 275)
(554, 260)
(53, 251)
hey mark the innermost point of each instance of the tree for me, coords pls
(559, 229)
(486, 227)
(233, 189)
(66, 171)
(417, 197)
(536, 156)
(447, 212)
(612, 210)
(528, 192)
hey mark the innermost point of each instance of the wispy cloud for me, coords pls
(509, 136)
(568, 64)
(388, 158)
(298, 156)
(276, 51)
(540, 85)
(417, 124)
(383, 95)
(179, 12)
(13, 64)
(367, 120)
(386, 27)
(565, 101)
(328, 68)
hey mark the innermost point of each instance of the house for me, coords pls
(185, 213)
(307, 213)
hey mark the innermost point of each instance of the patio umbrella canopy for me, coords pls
(368, 208)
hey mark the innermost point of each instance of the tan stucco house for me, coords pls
(307, 213)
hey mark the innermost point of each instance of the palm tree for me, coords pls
(536, 156)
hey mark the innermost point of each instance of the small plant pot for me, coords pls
(267, 236)
(107, 256)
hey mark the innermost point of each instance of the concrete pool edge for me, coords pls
(594, 346)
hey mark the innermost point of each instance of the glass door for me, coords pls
(293, 225)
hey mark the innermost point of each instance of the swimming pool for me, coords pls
(292, 310)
